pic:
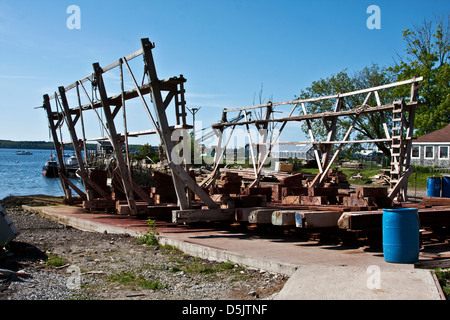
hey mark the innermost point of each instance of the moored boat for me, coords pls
(50, 169)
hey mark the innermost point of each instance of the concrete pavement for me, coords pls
(317, 272)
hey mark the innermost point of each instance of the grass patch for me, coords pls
(55, 261)
(192, 265)
(130, 279)
(150, 237)
(443, 276)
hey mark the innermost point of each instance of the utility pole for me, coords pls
(193, 111)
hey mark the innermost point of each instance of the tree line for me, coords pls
(35, 145)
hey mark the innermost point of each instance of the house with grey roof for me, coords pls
(433, 149)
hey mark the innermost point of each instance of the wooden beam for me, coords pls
(317, 219)
(335, 96)
(283, 218)
(105, 69)
(165, 133)
(184, 177)
(193, 215)
(322, 115)
(125, 177)
(57, 145)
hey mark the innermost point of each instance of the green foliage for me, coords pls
(443, 276)
(192, 265)
(150, 236)
(367, 126)
(146, 152)
(427, 55)
(128, 278)
(55, 261)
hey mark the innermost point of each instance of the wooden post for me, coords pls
(76, 145)
(58, 150)
(331, 136)
(165, 136)
(115, 141)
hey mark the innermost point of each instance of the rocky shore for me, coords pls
(49, 261)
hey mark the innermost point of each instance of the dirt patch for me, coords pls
(61, 262)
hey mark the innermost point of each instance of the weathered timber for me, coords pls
(202, 215)
(99, 204)
(367, 220)
(283, 218)
(335, 96)
(261, 215)
(317, 219)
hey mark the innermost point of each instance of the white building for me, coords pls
(433, 149)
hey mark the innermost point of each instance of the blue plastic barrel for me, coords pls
(433, 187)
(446, 187)
(401, 235)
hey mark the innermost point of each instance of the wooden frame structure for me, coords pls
(163, 92)
(399, 137)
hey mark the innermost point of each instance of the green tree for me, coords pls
(427, 55)
(367, 126)
(145, 152)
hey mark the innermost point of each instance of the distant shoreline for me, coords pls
(41, 145)
(34, 145)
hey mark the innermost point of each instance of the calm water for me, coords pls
(21, 175)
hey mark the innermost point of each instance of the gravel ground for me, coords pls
(62, 263)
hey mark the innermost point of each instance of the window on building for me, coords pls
(415, 152)
(443, 152)
(429, 152)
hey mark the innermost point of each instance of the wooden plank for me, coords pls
(58, 149)
(432, 264)
(243, 214)
(342, 95)
(261, 216)
(283, 218)
(164, 129)
(191, 184)
(360, 220)
(202, 215)
(124, 174)
(105, 69)
(322, 115)
(99, 204)
(317, 219)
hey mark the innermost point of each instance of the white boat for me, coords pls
(23, 153)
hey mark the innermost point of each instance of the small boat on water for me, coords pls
(72, 165)
(23, 153)
(50, 169)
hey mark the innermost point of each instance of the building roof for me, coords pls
(292, 147)
(441, 135)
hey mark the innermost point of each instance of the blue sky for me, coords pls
(225, 49)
